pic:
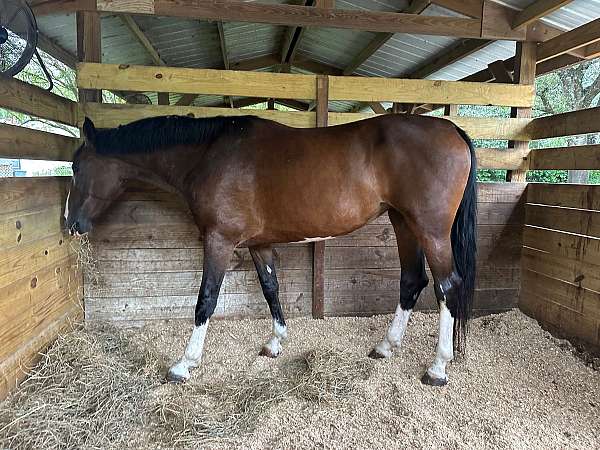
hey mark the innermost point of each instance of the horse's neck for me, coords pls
(165, 170)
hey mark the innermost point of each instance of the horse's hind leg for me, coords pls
(413, 280)
(264, 263)
(438, 249)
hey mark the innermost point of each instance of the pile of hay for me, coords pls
(97, 388)
(87, 261)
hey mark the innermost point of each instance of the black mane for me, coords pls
(148, 135)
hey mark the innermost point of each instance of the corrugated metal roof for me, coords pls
(192, 43)
(572, 15)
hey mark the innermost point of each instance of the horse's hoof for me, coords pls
(174, 378)
(375, 354)
(266, 351)
(432, 381)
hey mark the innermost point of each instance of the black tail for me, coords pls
(464, 248)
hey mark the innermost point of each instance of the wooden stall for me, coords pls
(561, 240)
(41, 287)
(147, 248)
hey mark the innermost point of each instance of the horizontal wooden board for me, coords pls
(24, 227)
(186, 283)
(583, 157)
(567, 195)
(566, 124)
(32, 257)
(14, 369)
(372, 89)
(567, 245)
(19, 194)
(569, 270)
(23, 97)
(578, 221)
(476, 127)
(19, 142)
(152, 260)
(141, 309)
(196, 81)
(111, 115)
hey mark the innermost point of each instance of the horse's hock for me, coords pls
(88, 331)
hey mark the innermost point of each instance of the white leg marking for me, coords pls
(393, 338)
(273, 346)
(444, 350)
(67, 206)
(193, 353)
(269, 269)
(314, 239)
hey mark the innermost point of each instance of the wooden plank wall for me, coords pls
(149, 258)
(362, 270)
(40, 287)
(561, 259)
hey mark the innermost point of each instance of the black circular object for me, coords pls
(18, 36)
(3, 35)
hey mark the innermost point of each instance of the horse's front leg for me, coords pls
(217, 254)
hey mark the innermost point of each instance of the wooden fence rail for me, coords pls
(293, 86)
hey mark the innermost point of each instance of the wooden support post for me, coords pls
(318, 292)
(451, 110)
(163, 98)
(89, 37)
(525, 62)
(271, 103)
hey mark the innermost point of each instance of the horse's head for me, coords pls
(97, 181)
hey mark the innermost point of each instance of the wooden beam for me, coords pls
(142, 39)
(17, 95)
(499, 72)
(427, 91)
(163, 98)
(19, 142)
(449, 56)
(571, 40)
(292, 39)
(318, 279)
(224, 54)
(56, 51)
(584, 157)
(377, 108)
(316, 67)
(89, 37)
(537, 10)
(524, 75)
(196, 81)
(469, 8)
(415, 7)
(297, 15)
(260, 62)
(497, 20)
(476, 127)
(566, 124)
(113, 115)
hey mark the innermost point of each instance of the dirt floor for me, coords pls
(518, 387)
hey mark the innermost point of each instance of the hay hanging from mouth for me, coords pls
(101, 388)
(86, 259)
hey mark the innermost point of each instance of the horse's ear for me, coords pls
(89, 131)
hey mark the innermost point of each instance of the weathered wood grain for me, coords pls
(19, 142)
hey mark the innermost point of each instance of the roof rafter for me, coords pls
(142, 39)
(415, 7)
(537, 10)
(224, 54)
(582, 36)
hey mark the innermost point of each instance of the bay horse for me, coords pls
(254, 182)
